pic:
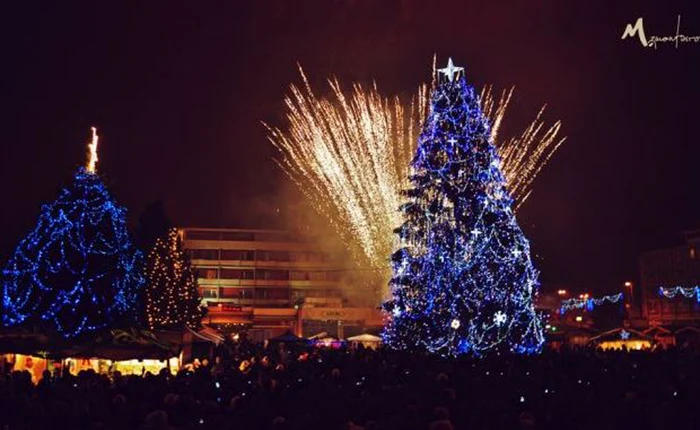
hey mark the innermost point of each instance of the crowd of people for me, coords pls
(278, 386)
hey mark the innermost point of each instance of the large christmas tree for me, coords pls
(77, 271)
(172, 297)
(463, 280)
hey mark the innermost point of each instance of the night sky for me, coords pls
(178, 90)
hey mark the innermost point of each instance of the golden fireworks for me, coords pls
(350, 155)
(91, 165)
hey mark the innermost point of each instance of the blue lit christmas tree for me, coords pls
(77, 271)
(463, 280)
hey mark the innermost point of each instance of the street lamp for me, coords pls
(630, 285)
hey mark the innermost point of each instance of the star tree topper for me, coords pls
(450, 70)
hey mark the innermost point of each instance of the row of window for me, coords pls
(250, 255)
(241, 236)
(268, 274)
(265, 293)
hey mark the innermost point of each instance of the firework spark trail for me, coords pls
(350, 155)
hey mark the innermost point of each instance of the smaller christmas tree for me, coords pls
(172, 297)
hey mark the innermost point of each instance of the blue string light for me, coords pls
(77, 271)
(463, 280)
(689, 292)
(588, 303)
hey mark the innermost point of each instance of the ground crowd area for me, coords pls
(244, 386)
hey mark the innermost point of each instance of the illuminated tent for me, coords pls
(114, 345)
(619, 338)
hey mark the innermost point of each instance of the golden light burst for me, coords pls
(92, 148)
(350, 154)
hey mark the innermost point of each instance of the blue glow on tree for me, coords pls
(77, 271)
(463, 280)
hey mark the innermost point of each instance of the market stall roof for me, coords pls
(114, 344)
(623, 337)
(688, 329)
(365, 337)
(289, 337)
(208, 334)
(621, 334)
(318, 336)
(657, 330)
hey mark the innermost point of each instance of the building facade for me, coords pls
(668, 268)
(268, 282)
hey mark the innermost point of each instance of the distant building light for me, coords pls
(561, 292)
(579, 318)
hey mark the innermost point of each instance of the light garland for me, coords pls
(673, 292)
(463, 279)
(588, 303)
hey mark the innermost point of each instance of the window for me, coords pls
(298, 256)
(317, 276)
(334, 293)
(272, 275)
(310, 293)
(236, 274)
(272, 293)
(334, 275)
(236, 293)
(209, 293)
(278, 294)
(237, 254)
(273, 256)
(237, 236)
(202, 235)
(296, 275)
(272, 237)
(204, 254)
(207, 273)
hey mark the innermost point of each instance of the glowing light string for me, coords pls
(589, 304)
(673, 292)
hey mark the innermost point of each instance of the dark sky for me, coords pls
(178, 90)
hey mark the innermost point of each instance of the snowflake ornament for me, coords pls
(499, 318)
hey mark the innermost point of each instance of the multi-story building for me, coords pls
(672, 267)
(271, 281)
